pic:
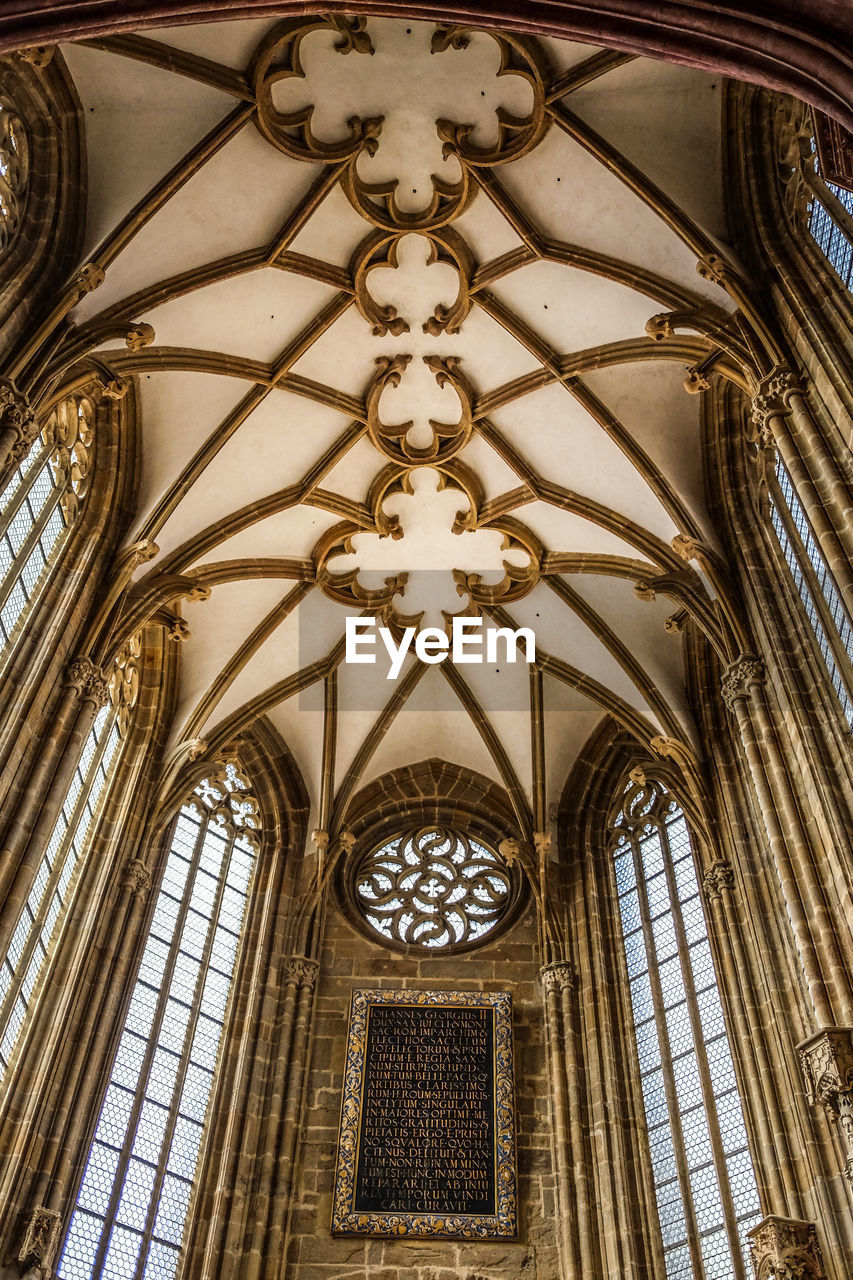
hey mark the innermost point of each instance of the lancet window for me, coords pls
(705, 1186)
(830, 222)
(829, 621)
(72, 832)
(39, 505)
(132, 1204)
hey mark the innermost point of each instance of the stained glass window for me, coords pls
(39, 504)
(132, 1205)
(829, 621)
(830, 222)
(707, 1197)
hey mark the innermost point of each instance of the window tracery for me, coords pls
(705, 1186)
(40, 503)
(132, 1204)
(14, 173)
(432, 887)
(829, 621)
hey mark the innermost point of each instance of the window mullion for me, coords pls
(708, 1098)
(57, 870)
(8, 513)
(28, 545)
(679, 1148)
(195, 1011)
(150, 1049)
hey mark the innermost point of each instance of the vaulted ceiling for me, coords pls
(389, 288)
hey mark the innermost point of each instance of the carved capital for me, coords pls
(87, 681)
(826, 1059)
(785, 1249)
(18, 426)
(542, 843)
(561, 976)
(772, 401)
(40, 1241)
(137, 877)
(739, 678)
(718, 877)
(302, 972)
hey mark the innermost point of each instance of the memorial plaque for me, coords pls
(427, 1142)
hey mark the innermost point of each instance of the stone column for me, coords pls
(827, 1063)
(822, 490)
(815, 932)
(574, 1232)
(86, 691)
(785, 1249)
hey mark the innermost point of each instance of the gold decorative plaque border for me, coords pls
(501, 1225)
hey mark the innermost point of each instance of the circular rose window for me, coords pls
(432, 887)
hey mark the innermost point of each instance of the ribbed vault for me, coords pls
(386, 288)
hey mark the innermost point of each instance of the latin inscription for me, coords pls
(427, 1132)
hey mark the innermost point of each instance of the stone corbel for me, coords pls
(739, 677)
(826, 1059)
(88, 681)
(40, 1242)
(785, 1249)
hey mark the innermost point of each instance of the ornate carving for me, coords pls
(826, 1059)
(660, 327)
(794, 130)
(178, 630)
(785, 1249)
(227, 794)
(320, 840)
(510, 850)
(38, 55)
(14, 173)
(139, 335)
(302, 972)
(89, 278)
(114, 388)
(558, 977)
(695, 382)
(87, 681)
(684, 546)
(18, 426)
(40, 1242)
(739, 677)
(137, 877)
(719, 876)
(124, 683)
(542, 843)
(278, 60)
(712, 267)
(771, 401)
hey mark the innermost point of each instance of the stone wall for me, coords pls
(349, 960)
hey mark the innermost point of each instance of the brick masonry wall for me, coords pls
(349, 960)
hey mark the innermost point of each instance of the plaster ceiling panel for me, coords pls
(287, 533)
(231, 43)
(302, 731)
(486, 230)
(650, 400)
(566, 53)
(278, 658)
(565, 444)
(218, 627)
(140, 121)
(333, 231)
(570, 719)
(255, 315)
(641, 627)
(237, 201)
(494, 474)
(363, 693)
(560, 632)
(686, 160)
(351, 477)
(274, 448)
(574, 310)
(565, 531)
(179, 412)
(421, 732)
(572, 197)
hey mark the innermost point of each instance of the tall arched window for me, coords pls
(39, 504)
(830, 221)
(829, 621)
(74, 828)
(705, 1186)
(132, 1205)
